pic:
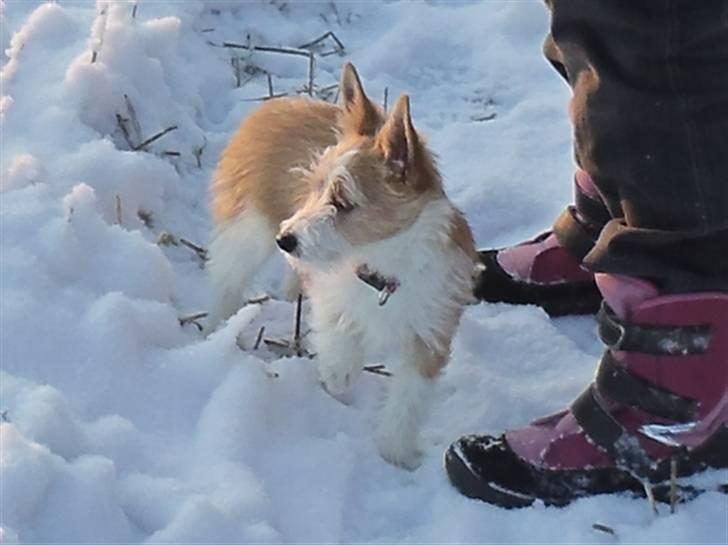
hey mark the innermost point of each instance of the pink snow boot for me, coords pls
(660, 396)
(547, 271)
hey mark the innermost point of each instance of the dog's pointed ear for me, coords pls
(360, 116)
(398, 138)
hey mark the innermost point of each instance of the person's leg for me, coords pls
(650, 114)
(650, 111)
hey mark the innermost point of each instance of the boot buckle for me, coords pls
(611, 330)
(665, 433)
(672, 340)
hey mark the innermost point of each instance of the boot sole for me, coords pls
(565, 486)
(468, 484)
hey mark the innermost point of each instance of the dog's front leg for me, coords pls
(340, 358)
(398, 431)
(292, 284)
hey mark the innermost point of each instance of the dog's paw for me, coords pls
(398, 452)
(337, 381)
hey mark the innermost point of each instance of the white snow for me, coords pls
(121, 426)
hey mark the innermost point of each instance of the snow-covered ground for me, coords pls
(118, 425)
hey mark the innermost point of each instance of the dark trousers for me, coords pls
(650, 114)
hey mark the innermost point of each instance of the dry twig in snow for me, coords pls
(271, 93)
(377, 369)
(168, 239)
(192, 319)
(325, 93)
(604, 528)
(154, 138)
(268, 49)
(297, 327)
(650, 497)
(283, 50)
(259, 338)
(673, 484)
(338, 47)
(146, 217)
(118, 210)
(121, 122)
(197, 152)
(199, 250)
(136, 127)
(486, 117)
(235, 61)
(311, 62)
(263, 99)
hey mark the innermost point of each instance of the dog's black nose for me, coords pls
(287, 242)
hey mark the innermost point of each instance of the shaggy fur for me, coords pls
(339, 187)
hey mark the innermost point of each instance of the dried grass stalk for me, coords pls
(154, 138)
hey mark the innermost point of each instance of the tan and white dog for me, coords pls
(343, 189)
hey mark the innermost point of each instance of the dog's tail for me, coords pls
(238, 250)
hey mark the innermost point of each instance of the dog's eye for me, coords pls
(341, 205)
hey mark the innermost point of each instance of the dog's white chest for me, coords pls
(430, 271)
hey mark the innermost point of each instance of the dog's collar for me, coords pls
(385, 285)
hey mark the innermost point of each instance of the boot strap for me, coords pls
(591, 209)
(578, 239)
(651, 339)
(616, 382)
(578, 227)
(608, 435)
